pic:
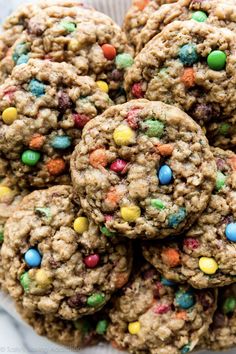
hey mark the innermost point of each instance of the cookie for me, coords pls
(222, 332)
(154, 316)
(43, 108)
(81, 333)
(58, 262)
(10, 197)
(87, 39)
(143, 169)
(205, 257)
(191, 65)
(222, 133)
(137, 17)
(216, 12)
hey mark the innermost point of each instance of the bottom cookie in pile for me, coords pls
(73, 334)
(58, 262)
(205, 257)
(156, 316)
(222, 332)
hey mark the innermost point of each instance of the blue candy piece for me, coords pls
(185, 349)
(33, 258)
(61, 142)
(175, 219)
(37, 88)
(165, 175)
(23, 59)
(167, 282)
(230, 232)
(20, 49)
(185, 300)
(188, 54)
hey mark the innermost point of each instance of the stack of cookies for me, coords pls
(118, 188)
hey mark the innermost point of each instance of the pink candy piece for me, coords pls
(108, 218)
(137, 91)
(161, 309)
(92, 260)
(119, 166)
(133, 118)
(191, 243)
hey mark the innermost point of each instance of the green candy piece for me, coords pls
(124, 61)
(25, 281)
(84, 326)
(216, 60)
(95, 300)
(68, 26)
(104, 230)
(158, 204)
(185, 349)
(102, 327)
(44, 212)
(224, 128)
(199, 16)
(229, 305)
(220, 180)
(30, 157)
(153, 128)
(1, 236)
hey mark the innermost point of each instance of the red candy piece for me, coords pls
(80, 120)
(92, 260)
(109, 51)
(133, 118)
(137, 91)
(161, 309)
(9, 93)
(108, 218)
(119, 166)
(191, 243)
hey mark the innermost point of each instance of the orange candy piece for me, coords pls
(232, 162)
(165, 149)
(113, 197)
(98, 158)
(36, 142)
(141, 4)
(109, 51)
(182, 315)
(171, 257)
(56, 166)
(188, 77)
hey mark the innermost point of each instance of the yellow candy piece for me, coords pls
(130, 213)
(123, 135)
(208, 265)
(73, 45)
(81, 224)
(9, 115)
(43, 278)
(5, 193)
(103, 86)
(134, 327)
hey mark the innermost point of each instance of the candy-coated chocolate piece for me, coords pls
(25, 281)
(61, 142)
(30, 157)
(101, 327)
(165, 175)
(130, 213)
(123, 135)
(188, 54)
(92, 260)
(185, 300)
(230, 232)
(43, 278)
(216, 60)
(199, 16)
(95, 300)
(9, 115)
(109, 51)
(124, 60)
(33, 258)
(103, 86)
(134, 327)
(208, 265)
(81, 224)
(37, 88)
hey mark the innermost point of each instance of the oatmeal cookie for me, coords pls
(191, 65)
(43, 108)
(205, 257)
(220, 13)
(143, 169)
(138, 15)
(155, 316)
(58, 262)
(89, 40)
